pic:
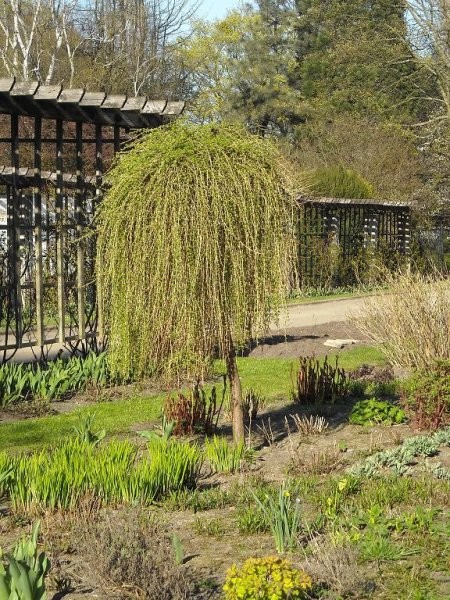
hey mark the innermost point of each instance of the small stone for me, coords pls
(340, 343)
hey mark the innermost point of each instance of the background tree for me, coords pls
(358, 59)
(242, 68)
(195, 247)
(121, 46)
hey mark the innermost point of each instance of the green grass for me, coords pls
(325, 298)
(116, 417)
(272, 376)
(338, 295)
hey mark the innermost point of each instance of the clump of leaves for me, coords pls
(23, 574)
(369, 381)
(84, 432)
(317, 383)
(52, 380)
(270, 577)
(225, 457)
(251, 521)
(312, 425)
(283, 518)
(164, 432)
(196, 412)
(426, 396)
(59, 478)
(373, 411)
(398, 459)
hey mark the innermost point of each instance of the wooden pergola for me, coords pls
(55, 145)
(351, 225)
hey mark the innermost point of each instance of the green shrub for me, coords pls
(225, 457)
(426, 396)
(22, 575)
(372, 411)
(317, 383)
(271, 578)
(339, 182)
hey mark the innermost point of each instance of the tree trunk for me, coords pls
(236, 395)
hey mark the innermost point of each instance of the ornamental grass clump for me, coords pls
(283, 518)
(411, 321)
(110, 474)
(269, 578)
(225, 457)
(196, 247)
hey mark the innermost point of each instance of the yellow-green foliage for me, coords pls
(270, 578)
(195, 243)
(113, 473)
(338, 182)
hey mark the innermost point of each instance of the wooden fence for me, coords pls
(55, 146)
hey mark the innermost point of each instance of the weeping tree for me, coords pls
(195, 249)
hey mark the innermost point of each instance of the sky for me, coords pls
(211, 9)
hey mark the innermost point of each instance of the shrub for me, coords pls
(318, 384)
(426, 396)
(128, 548)
(410, 322)
(225, 457)
(368, 380)
(194, 413)
(339, 182)
(369, 412)
(271, 578)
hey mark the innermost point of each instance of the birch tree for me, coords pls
(35, 36)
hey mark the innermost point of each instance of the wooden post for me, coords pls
(116, 138)
(81, 295)
(98, 192)
(15, 230)
(60, 233)
(40, 332)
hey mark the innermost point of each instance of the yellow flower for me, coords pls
(342, 484)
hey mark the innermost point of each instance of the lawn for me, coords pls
(270, 376)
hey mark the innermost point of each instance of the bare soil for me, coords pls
(307, 341)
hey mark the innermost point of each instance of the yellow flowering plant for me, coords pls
(269, 578)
